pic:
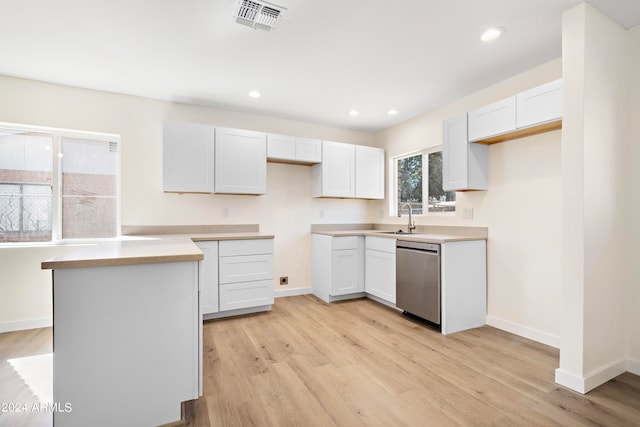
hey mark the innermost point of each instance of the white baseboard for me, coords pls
(20, 325)
(524, 331)
(593, 379)
(570, 381)
(279, 293)
(605, 373)
(633, 366)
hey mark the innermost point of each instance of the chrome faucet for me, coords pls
(412, 224)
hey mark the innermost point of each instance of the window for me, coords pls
(57, 185)
(409, 174)
(89, 188)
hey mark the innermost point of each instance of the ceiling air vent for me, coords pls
(257, 14)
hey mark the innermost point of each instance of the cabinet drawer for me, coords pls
(381, 244)
(346, 242)
(246, 247)
(234, 269)
(247, 294)
(493, 119)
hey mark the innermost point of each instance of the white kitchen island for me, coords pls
(126, 332)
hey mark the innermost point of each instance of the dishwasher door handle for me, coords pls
(422, 251)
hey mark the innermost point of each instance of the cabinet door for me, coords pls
(188, 157)
(208, 277)
(493, 119)
(281, 147)
(345, 272)
(540, 104)
(335, 176)
(308, 150)
(464, 164)
(369, 172)
(380, 275)
(241, 162)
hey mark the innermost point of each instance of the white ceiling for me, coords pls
(324, 58)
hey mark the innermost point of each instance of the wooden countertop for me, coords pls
(130, 250)
(413, 237)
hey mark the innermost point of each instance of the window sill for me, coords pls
(66, 242)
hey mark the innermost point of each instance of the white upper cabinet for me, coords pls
(241, 162)
(336, 175)
(493, 119)
(369, 172)
(292, 149)
(464, 164)
(540, 104)
(188, 157)
(308, 150)
(281, 147)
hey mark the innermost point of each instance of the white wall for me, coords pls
(521, 210)
(633, 213)
(287, 210)
(596, 194)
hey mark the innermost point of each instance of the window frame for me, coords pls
(393, 182)
(57, 135)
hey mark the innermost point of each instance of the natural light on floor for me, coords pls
(37, 373)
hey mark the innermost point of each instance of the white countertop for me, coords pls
(143, 250)
(414, 237)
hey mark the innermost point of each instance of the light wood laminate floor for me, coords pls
(359, 363)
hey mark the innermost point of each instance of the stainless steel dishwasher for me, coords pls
(418, 279)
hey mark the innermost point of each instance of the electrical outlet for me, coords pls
(225, 212)
(467, 213)
(284, 280)
(321, 213)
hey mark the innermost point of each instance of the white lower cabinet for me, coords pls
(208, 277)
(345, 272)
(235, 275)
(463, 278)
(337, 266)
(245, 274)
(340, 263)
(380, 268)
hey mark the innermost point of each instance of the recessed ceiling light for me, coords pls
(392, 112)
(255, 94)
(492, 34)
(353, 112)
